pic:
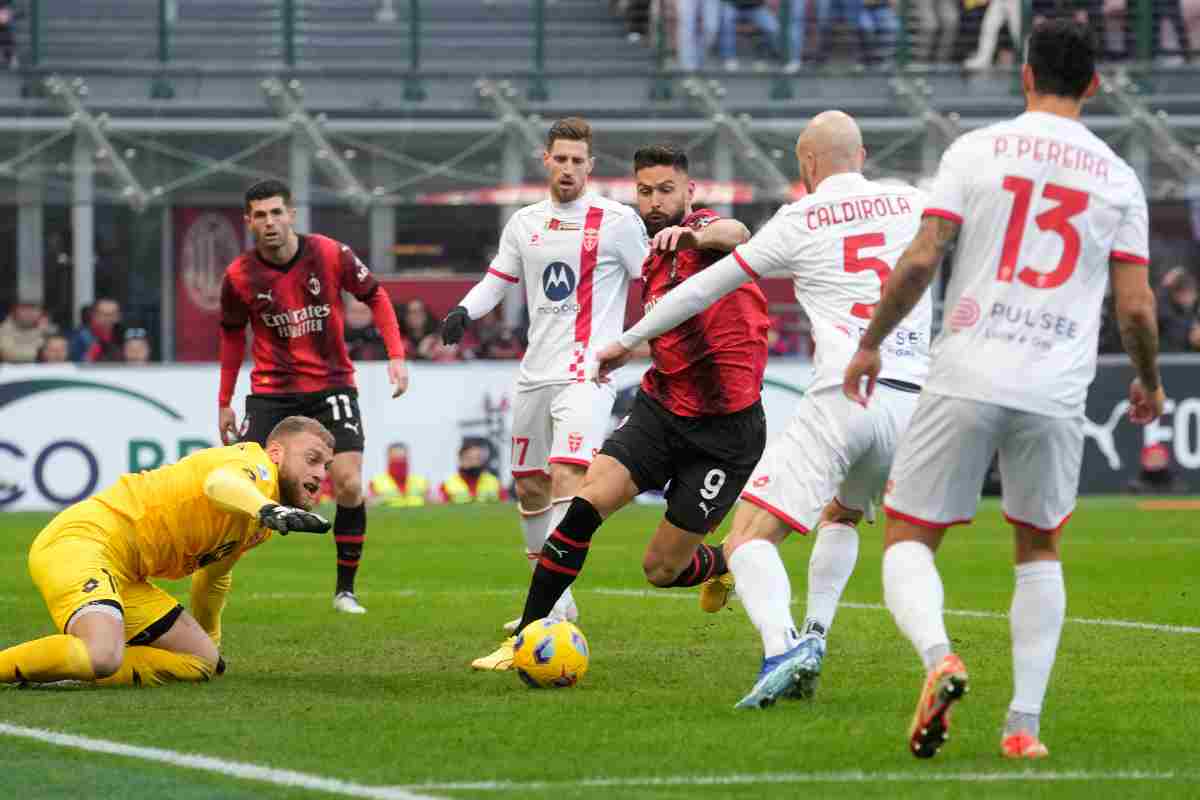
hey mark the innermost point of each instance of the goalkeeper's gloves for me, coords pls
(455, 325)
(286, 519)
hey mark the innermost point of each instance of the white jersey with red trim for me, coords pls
(576, 261)
(840, 244)
(1043, 205)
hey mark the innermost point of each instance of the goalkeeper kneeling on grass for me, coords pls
(93, 563)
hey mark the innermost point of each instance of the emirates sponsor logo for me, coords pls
(297, 322)
(591, 237)
(965, 314)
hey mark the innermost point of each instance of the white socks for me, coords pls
(1039, 606)
(913, 592)
(535, 525)
(834, 555)
(762, 583)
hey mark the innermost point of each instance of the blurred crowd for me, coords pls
(976, 34)
(28, 336)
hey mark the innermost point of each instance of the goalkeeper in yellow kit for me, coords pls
(93, 562)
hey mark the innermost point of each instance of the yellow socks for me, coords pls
(150, 666)
(53, 658)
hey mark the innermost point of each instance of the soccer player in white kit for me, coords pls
(576, 253)
(1045, 213)
(839, 244)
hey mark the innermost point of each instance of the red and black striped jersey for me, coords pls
(712, 363)
(295, 312)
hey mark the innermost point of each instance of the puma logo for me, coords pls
(1103, 434)
(265, 296)
(351, 425)
(705, 508)
(557, 552)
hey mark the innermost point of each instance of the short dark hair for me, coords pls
(1062, 55)
(660, 155)
(290, 426)
(268, 188)
(574, 129)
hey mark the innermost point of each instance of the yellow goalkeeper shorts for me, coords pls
(79, 560)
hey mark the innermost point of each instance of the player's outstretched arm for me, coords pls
(683, 302)
(1138, 322)
(228, 487)
(721, 236)
(904, 289)
(483, 297)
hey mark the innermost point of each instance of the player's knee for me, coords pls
(349, 491)
(106, 657)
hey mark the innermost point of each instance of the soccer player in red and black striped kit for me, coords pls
(289, 288)
(697, 422)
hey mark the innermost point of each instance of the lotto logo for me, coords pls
(761, 481)
(574, 442)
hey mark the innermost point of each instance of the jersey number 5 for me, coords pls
(1071, 202)
(855, 262)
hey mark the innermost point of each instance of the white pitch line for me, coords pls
(233, 769)
(658, 594)
(852, 776)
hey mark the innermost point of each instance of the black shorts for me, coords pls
(336, 409)
(706, 460)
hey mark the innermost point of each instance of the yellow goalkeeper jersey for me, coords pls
(176, 525)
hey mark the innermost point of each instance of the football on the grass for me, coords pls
(551, 655)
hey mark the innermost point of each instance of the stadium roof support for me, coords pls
(498, 98)
(1122, 95)
(706, 96)
(285, 100)
(940, 129)
(69, 96)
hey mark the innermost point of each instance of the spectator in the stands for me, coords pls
(495, 339)
(363, 340)
(698, 22)
(98, 339)
(23, 332)
(420, 333)
(878, 28)
(938, 31)
(999, 14)
(135, 347)
(8, 50)
(54, 350)
(1178, 323)
(757, 14)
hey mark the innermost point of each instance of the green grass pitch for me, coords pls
(389, 700)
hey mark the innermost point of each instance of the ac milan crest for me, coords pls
(574, 442)
(314, 285)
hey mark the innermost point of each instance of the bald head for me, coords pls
(831, 143)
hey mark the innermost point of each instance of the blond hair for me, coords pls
(290, 426)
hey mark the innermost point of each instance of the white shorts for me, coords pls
(832, 449)
(943, 459)
(560, 424)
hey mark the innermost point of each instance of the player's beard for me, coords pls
(291, 493)
(654, 226)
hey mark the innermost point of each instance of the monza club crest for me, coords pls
(590, 238)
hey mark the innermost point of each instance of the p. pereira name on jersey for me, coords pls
(295, 322)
